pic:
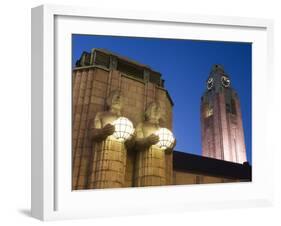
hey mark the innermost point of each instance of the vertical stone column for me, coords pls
(241, 152)
(169, 168)
(218, 146)
(206, 130)
(84, 143)
(109, 164)
(80, 88)
(226, 148)
(150, 167)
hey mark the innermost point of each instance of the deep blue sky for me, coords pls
(185, 66)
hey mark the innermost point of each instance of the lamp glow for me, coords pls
(166, 138)
(124, 128)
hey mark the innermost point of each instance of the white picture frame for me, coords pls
(52, 197)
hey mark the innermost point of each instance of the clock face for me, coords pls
(210, 83)
(225, 81)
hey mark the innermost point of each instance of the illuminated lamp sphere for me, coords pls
(166, 138)
(124, 128)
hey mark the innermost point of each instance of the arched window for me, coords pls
(233, 107)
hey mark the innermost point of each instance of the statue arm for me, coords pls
(142, 142)
(130, 143)
(99, 133)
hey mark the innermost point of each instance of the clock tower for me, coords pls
(221, 121)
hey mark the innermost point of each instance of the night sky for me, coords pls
(185, 66)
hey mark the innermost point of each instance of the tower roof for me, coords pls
(217, 79)
(217, 70)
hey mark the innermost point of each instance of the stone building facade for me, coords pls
(95, 76)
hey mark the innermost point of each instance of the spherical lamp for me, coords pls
(124, 128)
(166, 138)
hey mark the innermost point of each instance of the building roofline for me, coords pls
(143, 67)
(210, 166)
(125, 59)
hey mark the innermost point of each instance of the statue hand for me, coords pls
(169, 150)
(108, 130)
(131, 141)
(152, 139)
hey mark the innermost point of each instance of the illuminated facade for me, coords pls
(103, 163)
(97, 74)
(221, 120)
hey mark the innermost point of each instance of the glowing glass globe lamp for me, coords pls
(124, 129)
(166, 138)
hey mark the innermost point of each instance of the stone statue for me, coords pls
(150, 162)
(109, 154)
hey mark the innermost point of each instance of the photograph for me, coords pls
(159, 112)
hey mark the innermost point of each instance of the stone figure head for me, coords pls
(153, 112)
(114, 100)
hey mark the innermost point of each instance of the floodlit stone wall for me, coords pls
(91, 86)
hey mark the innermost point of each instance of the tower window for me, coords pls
(231, 108)
(208, 111)
(102, 59)
(228, 108)
(130, 69)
